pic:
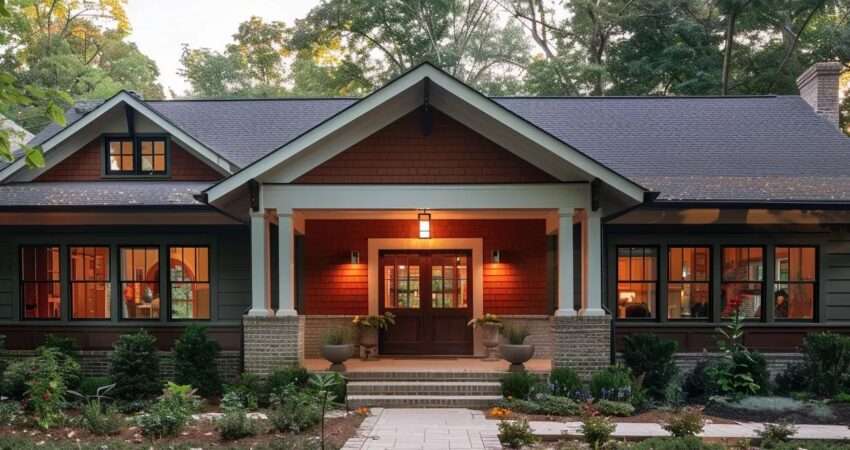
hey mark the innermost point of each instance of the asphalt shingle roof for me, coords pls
(102, 193)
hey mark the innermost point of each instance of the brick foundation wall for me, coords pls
(272, 342)
(96, 362)
(581, 343)
(776, 362)
(315, 326)
(540, 328)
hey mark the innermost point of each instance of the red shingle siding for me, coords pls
(517, 285)
(85, 165)
(400, 153)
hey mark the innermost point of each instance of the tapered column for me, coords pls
(260, 266)
(565, 264)
(286, 265)
(592, 305)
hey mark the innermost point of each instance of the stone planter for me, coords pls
(490, 340)
(368, 341)
(517, 355)
(337, 355)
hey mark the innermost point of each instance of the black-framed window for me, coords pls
(688, 282)
(189, 283)
(742, 284)
(637, 282)
(144, 155)
(795, 286)
(41, 297)
(90, 286)
(140, 288)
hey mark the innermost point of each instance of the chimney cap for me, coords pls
(817, 69)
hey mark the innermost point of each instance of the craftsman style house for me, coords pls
(583, 218)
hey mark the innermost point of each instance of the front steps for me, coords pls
(423, 389)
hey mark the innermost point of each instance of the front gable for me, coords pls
(403, 152)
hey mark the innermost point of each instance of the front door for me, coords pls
(430, 295)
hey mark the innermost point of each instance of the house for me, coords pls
(583, 218)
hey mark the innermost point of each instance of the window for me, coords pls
(796, 276)
(743, 281)
(142, 156)
(189, 282)
(449, 284)
(688, 293)
(140, 283)
(401, 281)
(40, 291)
(90, 287)
(637, 282)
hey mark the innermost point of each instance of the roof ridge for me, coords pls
(258, 99)
(638, 97)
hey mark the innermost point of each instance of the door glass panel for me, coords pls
(448, 282)
(401, 283)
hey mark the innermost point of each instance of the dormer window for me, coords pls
(139, 156)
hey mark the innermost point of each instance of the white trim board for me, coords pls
(475, 245)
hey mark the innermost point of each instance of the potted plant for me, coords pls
(490, 324)
(516, 351)
(368, 327)
(337, 347)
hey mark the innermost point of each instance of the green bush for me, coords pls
(685, 443)
(774, 434)
(195, 361)
(518, 384)
(650, 358)
(564, 382)
(46, 389)
(612, 408)
(64, 345)
(696, 382)
(516, 433)
(90, 385)
(294, 410)
(827, 360)
(612, 383)
(68, 357)
(101, 420)
(795, 378)
(741, 373)
(550, 405)
(10, 412)
(596, 430)
(250, 390)
(170, 413)
(235, 423)
(134, 367)
(280, 379)
(684, 422)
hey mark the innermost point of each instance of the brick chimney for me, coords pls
(819, 88)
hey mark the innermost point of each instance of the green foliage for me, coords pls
(281, 379)
(294, 410)
(776, 405)
(826, 357)
(10, 412)
(249, 390)
(776, 433)
(651, 359)
(516, 433)
(696, 382)
(235, 423)
(515, 334)
(195, 361)
(612, 408)
(64, 345)
(324, 384)
(596, 430)
(564, 382)
(134, 367)
(684, 422)
(101, 420)
(170, 413)
(684, 443)
(543, 404)
(612, 383)
(795, 378)
(518, 384)
(337, 336)
(381, 322)
(46, 388)
(739, 371)
(90, 385)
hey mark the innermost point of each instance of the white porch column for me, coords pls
(592, 305)
(260, 266)
(286, 264)
(565, 263)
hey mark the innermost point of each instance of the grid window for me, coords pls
(637, 282)
(796, 277)
(689, 272)
(189, 282)
(90, 286)
(153, 155)
(401, 282)
(743, 282)
(449, 284)
(140, 283)
(40, 290)
(121, 157)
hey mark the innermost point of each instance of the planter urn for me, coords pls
(490, 339)
(368, 342)
(517, 355)
(337, 355)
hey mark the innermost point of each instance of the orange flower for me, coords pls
(499, 413)
(363, 411)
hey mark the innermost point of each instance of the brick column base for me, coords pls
(272, 342)
(582, 343)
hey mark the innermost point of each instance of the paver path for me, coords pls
(737, 430)
(421, 429)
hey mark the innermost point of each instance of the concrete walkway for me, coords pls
(456, 428)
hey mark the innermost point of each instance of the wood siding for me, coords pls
(400, 153)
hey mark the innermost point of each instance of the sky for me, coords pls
(160, 27)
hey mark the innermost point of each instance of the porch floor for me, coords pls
(447, 364)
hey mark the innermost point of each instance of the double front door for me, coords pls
(430, 293)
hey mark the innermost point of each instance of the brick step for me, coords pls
(425, 376)
(422, 401)
(424, 388)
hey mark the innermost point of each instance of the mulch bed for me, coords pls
(650, 416)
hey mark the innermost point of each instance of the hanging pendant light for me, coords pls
(424, 225)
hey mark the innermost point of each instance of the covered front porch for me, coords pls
(433, 365)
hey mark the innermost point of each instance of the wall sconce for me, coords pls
(355, 257)
(424, 225)
(496, 256)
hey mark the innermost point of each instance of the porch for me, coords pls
(430, 365)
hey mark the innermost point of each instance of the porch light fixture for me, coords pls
(355, 257)
(496, 256)
(424, 225)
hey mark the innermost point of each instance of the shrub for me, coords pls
(685, 443)
(516, 434)
(612, 408)
(3, 362)
(10, 412)
(795, 378)
(695, 385)
(169, 414)
(684, 422)
(596, 430)
(564, 382)
(651, 358)
(294, 410)
(827, 360)
(518, 384)
(778, 406)
(20, 372)
(515, 335)
(544, 404)
(90, 385)
(195, 361)
(101, 420)
(235, 423)
(611, 383)
(64, 345)
(280, 379)
(46, 389)
(776, 433)
(249, 389)
(739, 371)
(68, 356)
(337, 336)
(134, 367)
